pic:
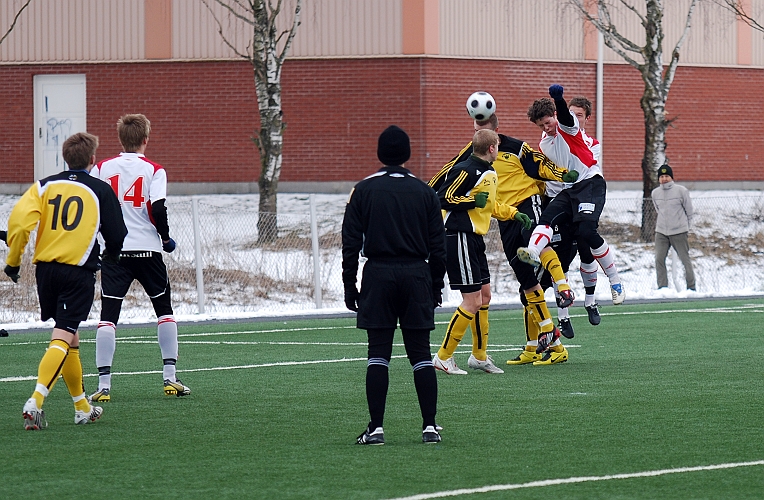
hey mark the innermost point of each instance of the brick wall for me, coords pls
(204, 115)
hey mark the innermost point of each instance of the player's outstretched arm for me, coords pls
(564, 116)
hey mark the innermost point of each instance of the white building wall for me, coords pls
(114, 30)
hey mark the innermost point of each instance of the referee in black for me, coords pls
(394, 220)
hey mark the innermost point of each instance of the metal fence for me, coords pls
(220, 269)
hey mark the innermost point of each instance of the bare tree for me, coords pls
(15, 19)
(647, 58)
(266, 51)
(739, 9)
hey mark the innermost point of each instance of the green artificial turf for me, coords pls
(276, 407)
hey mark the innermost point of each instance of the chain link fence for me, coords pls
(219, 268)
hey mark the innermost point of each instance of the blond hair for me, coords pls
(484, 139)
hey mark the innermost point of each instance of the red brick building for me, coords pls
(340, 89)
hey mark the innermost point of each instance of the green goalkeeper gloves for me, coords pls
(481, 199)
(570, 176)
(524, 220)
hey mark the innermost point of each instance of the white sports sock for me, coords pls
(167, 335)
(540, 238)
(606, 260)
(589, 273)
(589, 300)
(106, 344)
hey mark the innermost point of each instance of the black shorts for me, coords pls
(66, 293)
(393, 292)
(514, 236)
(466, 263)
(583, 201)
(146, 267)
(564, 243)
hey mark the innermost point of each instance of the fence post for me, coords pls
(198, 255)
(316, 254)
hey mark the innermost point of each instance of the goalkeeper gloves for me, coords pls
(570, 176)
(169, 245)
(555, 91)
(13, 272)
(524, 220)
(481, 199)
(351, 297)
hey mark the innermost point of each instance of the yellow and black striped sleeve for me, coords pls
(538, 166)
(438, 179)
(455, 195)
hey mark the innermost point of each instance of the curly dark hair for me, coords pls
(541, 108)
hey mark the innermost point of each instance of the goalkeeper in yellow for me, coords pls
(521, 173)
(68, 210)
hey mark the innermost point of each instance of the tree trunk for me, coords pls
(270, 136)
(654, 156)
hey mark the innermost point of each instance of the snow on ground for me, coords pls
(727, 243)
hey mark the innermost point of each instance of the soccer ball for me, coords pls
(481, 106)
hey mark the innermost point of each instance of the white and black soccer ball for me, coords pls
(481, 106)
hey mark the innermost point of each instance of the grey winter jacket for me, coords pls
(674, 207)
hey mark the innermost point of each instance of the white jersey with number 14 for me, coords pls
(137, 182)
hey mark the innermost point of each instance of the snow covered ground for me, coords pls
(727, 243)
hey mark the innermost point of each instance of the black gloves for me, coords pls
(169, 245)
(437, 294)
(351, 297)
(570, 176)
(13, 273)
(524, 220)
(481, 199)
(4, 237)
(555, 91)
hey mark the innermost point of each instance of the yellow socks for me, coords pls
(480, 334)
(551, 263)
(457, 327)
(540, 312)
(49, 369)
(531, 329)
(72, 373)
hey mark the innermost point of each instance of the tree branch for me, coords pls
(736, 7)
(613, 39)
(671, 70)
(13, 24)
(220, 30)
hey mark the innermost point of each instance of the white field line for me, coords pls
(746, 308)
(148, 339)
(573, 480)
(247, 367)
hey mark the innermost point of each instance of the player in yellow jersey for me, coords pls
(467, 194)
(68, 210)
(521, 173)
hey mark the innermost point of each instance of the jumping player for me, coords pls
(582, 202)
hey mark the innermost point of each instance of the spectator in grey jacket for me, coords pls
(672, 202)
